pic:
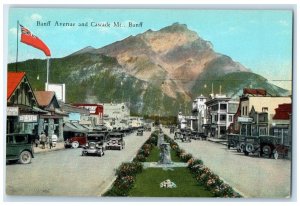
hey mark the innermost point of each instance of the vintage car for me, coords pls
(19, 147)
(115, 141)
(198, 135)
(76, 141)
(263, 146)
(177, 135)
(186, 137)
(94, 145)
(172, 130)
(236, 141)
(140, 132)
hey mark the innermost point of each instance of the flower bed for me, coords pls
(126, 173)
(204, 176)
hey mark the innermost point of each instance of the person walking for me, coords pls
(43, 139)
(54, 140)
(50, 142)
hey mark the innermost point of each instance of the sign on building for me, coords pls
(12, 111)
(245, 119)
(59, 90)
(28, 118)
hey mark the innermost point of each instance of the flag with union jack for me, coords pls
(28, 38)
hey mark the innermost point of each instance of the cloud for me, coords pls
(36, 17)
(13, 31)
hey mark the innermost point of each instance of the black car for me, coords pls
(19, 147)
(140, 132)
(95, 145)
(115, 141)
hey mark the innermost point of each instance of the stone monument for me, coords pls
(160, 139)
(165, 154)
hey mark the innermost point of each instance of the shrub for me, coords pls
(129, 169)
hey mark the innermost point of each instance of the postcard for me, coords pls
(191, 103)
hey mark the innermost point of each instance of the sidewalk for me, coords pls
(220, 141)
(59, 146)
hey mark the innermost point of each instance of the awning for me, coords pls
(80, 127)
(69, 127)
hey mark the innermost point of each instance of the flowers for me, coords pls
(167, 184)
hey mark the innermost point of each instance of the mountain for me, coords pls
(158, 72)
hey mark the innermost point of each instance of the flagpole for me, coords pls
(17, 45)
(48, 59)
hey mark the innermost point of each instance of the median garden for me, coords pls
(195, 180)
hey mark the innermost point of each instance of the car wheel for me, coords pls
(249, 147)
(266, 150)
(75, 144)
(25, 157)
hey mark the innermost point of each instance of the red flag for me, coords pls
(28, 38)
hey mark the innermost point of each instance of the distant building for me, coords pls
(220, 112)
(199, 113)
(95, 110)
(116, 114)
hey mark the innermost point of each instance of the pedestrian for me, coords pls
(43, 139)
(50, 142)
(54, 140)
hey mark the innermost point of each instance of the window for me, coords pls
(20, 138)
(243, 111)
(216, 118)
(246, 110)
(223, 117)
(223, 106)
(230, 118)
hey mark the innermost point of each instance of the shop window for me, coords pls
(223, 106)
(230, 118)
(223, 117)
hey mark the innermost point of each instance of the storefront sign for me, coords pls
(245, 119)
(12, 111)
(28, 118)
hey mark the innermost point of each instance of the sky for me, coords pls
(261, 40)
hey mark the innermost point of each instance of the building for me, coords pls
(199, 113)
(22, 106)
(95, 113)
(117, 115)
(52, 121)
(219, 115)
(261, 114)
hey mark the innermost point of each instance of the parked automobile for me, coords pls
(140, 132)
(186, 137)
(236, 141)
(172, 130)
(115, 141)
(177, 135)
(76, 141)
(95, 145)
(19, 147)
(198, 135)
(263, 146)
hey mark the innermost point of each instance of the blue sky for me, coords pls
(261, 40)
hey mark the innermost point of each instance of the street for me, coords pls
(251, 176)
(67, 173)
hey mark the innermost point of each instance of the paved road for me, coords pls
(66, 172)
(251, 176)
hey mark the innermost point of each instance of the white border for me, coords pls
(259, 4)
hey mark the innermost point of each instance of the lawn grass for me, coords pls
(154, 156)
(148, 184)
